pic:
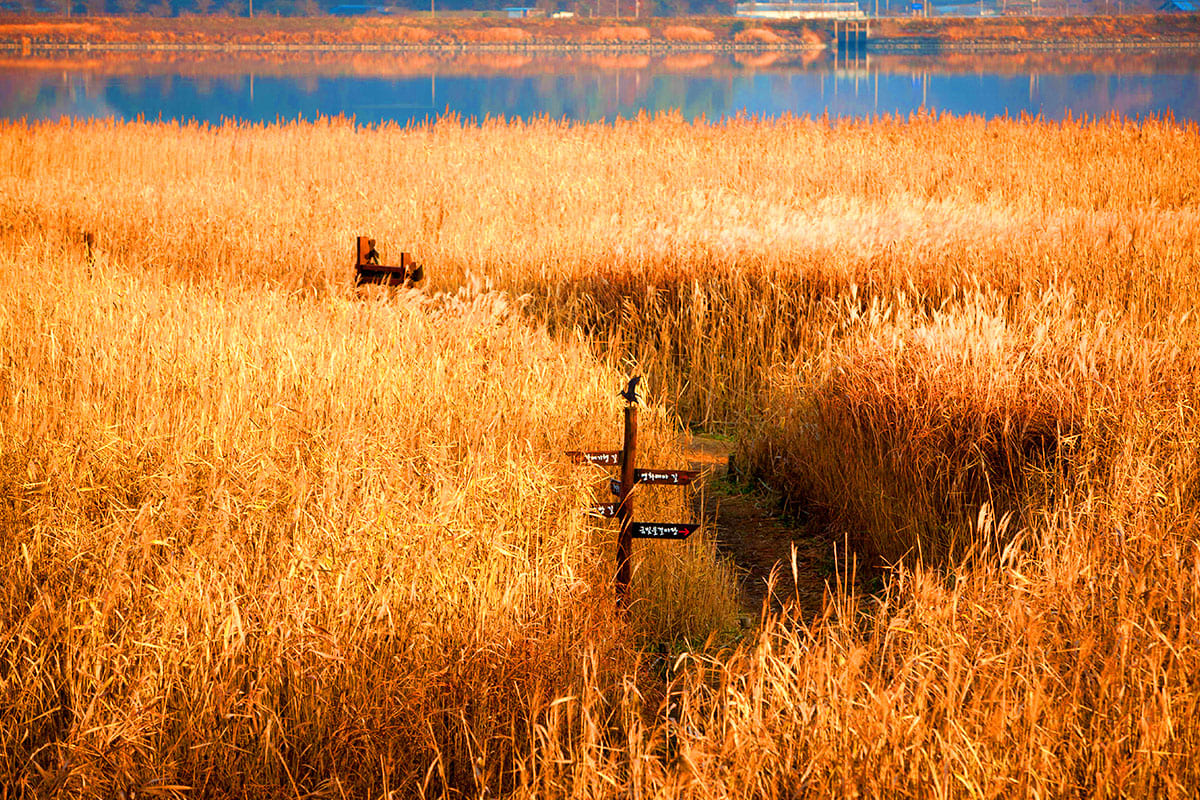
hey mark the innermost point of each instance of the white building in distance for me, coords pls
(810, 10)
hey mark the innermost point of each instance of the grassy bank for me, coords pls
(263, 535)
(1136, 27)
(445, 31)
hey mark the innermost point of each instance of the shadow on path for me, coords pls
(759, 542)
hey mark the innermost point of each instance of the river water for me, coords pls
(380, 87)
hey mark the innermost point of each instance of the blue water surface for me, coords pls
(375, 88)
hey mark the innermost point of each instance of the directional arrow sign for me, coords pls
(674, 477)
(608, 458)
(662, 530)
(603, 510)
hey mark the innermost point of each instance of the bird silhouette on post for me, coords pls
(630, 393)
(372, 256)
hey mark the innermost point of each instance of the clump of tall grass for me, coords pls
(267, 544)
(1060, 666)
(917, 420)
(687, 33)
(758, 36)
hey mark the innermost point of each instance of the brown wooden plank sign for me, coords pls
(604, 458)
(662, 530)
(671, 477)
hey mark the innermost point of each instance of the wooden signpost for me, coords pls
(622, 509)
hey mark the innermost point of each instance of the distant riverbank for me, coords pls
(927, 46)
(494, 33)
(1015, 34)
(354, 33)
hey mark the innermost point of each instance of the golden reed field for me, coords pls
(263, 535)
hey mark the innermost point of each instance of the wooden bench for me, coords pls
(369, 270)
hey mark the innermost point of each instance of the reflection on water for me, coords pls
(389, 87)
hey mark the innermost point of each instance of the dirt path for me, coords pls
(758, 541)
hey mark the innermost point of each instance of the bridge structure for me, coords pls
(851, 34)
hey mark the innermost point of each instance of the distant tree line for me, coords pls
(313, 8)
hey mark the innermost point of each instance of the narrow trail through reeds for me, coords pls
(781, 559)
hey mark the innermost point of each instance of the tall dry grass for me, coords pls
(255, 542)
(918, 417)
(1059, 670)
(700, 251)
(265, 537)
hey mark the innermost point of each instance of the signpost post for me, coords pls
(622, 509)
(625, 504)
